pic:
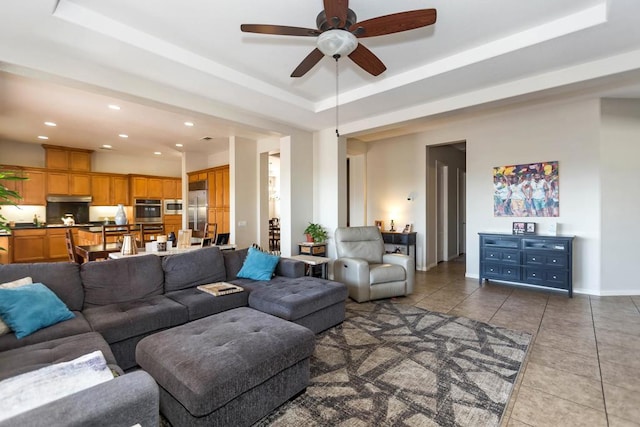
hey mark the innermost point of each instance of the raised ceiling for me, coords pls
(169, 61)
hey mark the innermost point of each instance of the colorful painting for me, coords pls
(526, 190)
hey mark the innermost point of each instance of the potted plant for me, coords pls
(315, 233)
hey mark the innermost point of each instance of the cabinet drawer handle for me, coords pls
(491, 255)
(508, 271)
(555, 277)
(534, 274)
(554, 260)
(533, 259)
(508, 256)
(491, 269)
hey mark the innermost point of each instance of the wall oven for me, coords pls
(172, 207)
(147, 210)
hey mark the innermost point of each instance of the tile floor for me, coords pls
(583, 368)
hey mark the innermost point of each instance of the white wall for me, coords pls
(20, 154)
(620, 183)
(566, 132)
(243, 187)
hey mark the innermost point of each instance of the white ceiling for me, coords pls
(168, 61)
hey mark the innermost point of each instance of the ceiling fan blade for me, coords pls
(394, 23)
(278, 30)
(336, 9)
(367, 60)
(307, 63)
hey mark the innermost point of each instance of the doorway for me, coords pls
(446, 202)
(442, 189)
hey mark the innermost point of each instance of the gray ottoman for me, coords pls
(317, 304)
(228, 369)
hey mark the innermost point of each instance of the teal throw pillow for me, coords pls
(31, 307)
(258, 265)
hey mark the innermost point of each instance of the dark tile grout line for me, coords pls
(595, 334)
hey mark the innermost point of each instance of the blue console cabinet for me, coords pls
(530, 259)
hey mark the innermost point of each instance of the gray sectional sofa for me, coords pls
(117, 303)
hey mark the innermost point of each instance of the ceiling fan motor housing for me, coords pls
(323, 24)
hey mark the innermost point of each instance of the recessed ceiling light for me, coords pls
(179, 145)
(106, 146)
(43, 137)
(157, 153)
(188, 124)
(114, 106)
(50, 124)
(123, 135)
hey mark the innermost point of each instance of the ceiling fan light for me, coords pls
(337, 42)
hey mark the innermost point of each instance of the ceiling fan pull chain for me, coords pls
(337, 92)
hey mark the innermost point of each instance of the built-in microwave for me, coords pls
(147, 210)
(172, 206)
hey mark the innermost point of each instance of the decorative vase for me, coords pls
(121, 217)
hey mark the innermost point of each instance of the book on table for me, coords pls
(220, 288)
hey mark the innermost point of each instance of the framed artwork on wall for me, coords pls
(379, 224)
(529, 190)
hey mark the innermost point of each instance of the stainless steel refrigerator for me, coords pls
(197, 210)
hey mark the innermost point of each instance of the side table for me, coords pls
(313, 248)
(313, 261)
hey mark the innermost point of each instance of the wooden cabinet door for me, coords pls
(29, 245)
(223, 219)
(80, 161)
(138, 187)
(33, 188)
(170, 188)
(222, 187)
(172, 223)
(56, 245)
(101, 190)
(56, 158)
(211, 189)
(13, 185)
(119, 190)
(154, 188)
(79, 184)
(5, 255)
(57, 183)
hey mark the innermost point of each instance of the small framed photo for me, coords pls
(379, 224)
(407, 228)
(518, 228)
(530, 228)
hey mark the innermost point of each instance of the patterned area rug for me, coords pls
(392, 364)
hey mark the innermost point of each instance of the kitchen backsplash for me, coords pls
(25, 213)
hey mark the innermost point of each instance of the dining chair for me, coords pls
(71, 246)
(150, 232)
(116, 231)
(211, 230)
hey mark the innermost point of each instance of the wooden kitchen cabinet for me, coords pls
(138, 186)
(197, 176)
(65, 158)
(222, 217)
(5, 255)
(101, 190)
(33, 188)
(172, 223)
(171, 188)
(109, 190)
(222, 187)
(154, 188)
(79, 184)
(119, 190)
(56, 244)
(64, 183)
(57, 183)
(29, 245)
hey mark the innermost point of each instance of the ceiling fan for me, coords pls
(338, 31)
